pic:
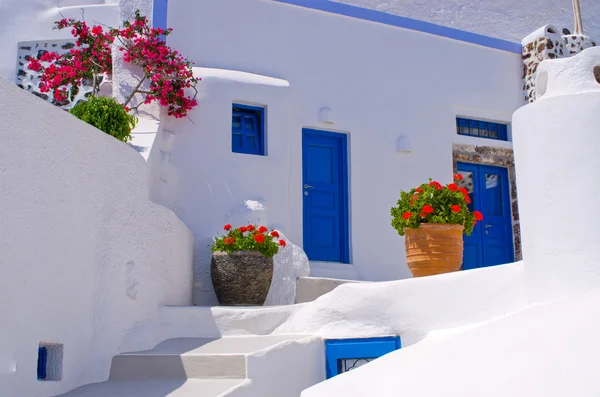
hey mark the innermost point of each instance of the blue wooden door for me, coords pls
(491, 242)
(325, 196)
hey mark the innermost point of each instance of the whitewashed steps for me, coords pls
(182, 367)
(158, 388)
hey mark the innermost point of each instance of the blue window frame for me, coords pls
(42, 361)
(159, 14)
(343, 355)
(481, 129)
(248, 129)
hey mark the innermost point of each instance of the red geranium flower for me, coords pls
(243, 229)
(250, 228)
(229, 241)
(227, 227)
(275, 234)
(427, 209)
(259, 238)
(262, 229)
(478, 215)
(419, 190)
(455, 208)
(467, 199)
(458, 177)
(282, 243)
(453, 187)
(437, 185)
(422, 215)
(407, 215)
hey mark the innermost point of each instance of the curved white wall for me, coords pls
(556, 147)
(86, 257)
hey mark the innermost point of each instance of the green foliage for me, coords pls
(433, 203)
(107, 115)
(249, 238)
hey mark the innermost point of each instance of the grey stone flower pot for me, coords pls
(242, 278)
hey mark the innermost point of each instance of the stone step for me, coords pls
(310, 288)
(158, 388)
(193, 358)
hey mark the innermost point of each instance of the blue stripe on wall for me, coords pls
(406, 23)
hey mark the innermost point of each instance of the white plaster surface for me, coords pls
(376, 95)
(507, 19)
(574, 75)
(557, 187)
(545, 350)
(409, 308)
(87, 258)
(290, 263)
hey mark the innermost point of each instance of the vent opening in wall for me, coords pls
(343, 355)
(551, 30)
(541, 85)
(50, 361)
(597, 73)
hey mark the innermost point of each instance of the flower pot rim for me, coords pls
(243, 252)
(426, 225)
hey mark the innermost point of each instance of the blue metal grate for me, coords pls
(481, 129)
(343, 355)
(247, 130)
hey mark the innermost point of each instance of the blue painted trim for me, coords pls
(159, 15)
(262, 136)
(406, 23)
(42, 362)
(345, 186)
(339, 349)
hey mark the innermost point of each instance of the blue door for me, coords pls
(325, 194)
(491, 242)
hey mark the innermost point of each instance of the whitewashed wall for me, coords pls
(557, 187)
(380, 81)
(87, 258)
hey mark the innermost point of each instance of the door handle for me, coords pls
(488, 226)
(308, 186)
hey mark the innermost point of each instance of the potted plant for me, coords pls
(242, 264)
(433, 218)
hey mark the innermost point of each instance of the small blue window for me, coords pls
(42, 362)
(343, 355)
(481, 129)
(247, 130)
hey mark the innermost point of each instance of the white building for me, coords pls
(343, 125)
(312, 116)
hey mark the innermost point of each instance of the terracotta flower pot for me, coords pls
(434, 249)
(242, 278)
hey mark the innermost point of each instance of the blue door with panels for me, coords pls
(325, 195)
(491, 242)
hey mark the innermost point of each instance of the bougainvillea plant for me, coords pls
(249, 238)
(434, 203)
(165, 73)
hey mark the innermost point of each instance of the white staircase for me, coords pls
(189, 367)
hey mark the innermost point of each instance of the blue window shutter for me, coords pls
(247, 129)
